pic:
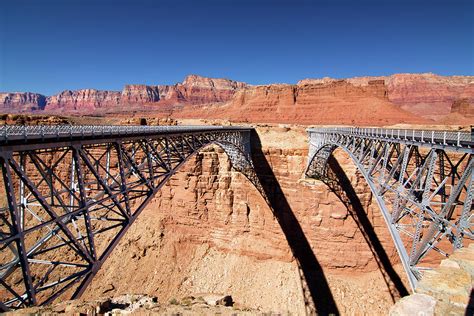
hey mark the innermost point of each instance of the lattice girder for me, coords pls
(69, 201)
(423, 185)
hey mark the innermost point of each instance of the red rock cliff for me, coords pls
(419, 93)
(22, 102)
(332, 102)
(86, 100)
(193, 90)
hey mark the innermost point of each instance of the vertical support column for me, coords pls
(150, 163)
(464, 221)
(416, 250)
(397, 208)
(16, 225)
(107, 164)
(23, 200)
(82, 201)
(123, 183)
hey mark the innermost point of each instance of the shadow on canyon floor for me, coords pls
(340, 184)
(309, 266)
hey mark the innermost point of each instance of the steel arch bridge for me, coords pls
(422, 181)
(69, 194)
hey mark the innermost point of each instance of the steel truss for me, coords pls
(71, 194)
(422, 181)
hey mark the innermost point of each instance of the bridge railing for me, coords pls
(16, 132)
(456, 138)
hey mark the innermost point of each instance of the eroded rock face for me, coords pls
(463, 107)
(421, 94)
(86, 100)
(139, 93)
(359, 100)
(335, 102)
(209, 229)
(193, 90)
(202, 90)
(21, 102)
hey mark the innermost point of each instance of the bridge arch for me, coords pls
(409, 178)
(70, 201)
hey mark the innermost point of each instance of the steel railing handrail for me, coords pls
(15, 132)
(457, 138)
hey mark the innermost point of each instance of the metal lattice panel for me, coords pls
(422, 181)
(72, 192)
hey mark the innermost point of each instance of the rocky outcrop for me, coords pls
(463, 107)
(137, 304)
(399, 98)
(85, 101)
(334, 102)
(419, 92)
(21, 102)
(193, 90)
(202, 90)
(445, 290)
(422, 94)
(139, 94)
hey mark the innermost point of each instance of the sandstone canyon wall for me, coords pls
(334, 102)
(193, 90)
(210, 230)
(399, 98)
(21, 102)
(422, 94)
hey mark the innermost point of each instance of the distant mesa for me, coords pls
(399, 98)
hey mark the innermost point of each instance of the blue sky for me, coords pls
(51, 45)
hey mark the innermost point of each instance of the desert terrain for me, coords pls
(210, 231)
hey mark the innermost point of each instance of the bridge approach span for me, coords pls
(422, 181)
(71, 192)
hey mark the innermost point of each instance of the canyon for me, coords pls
(208, 230)
(399, 98)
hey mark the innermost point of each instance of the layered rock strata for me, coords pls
(210, 230)
(399, 98)
(193, 90)
(421, 94)
(21, 102)
(338, 102)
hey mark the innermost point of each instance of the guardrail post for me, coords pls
(444, 138)
(459, 138)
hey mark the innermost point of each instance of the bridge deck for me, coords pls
(441, 138)
(43, 136)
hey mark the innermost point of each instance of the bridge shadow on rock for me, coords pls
(310, 269)
(337, 180)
